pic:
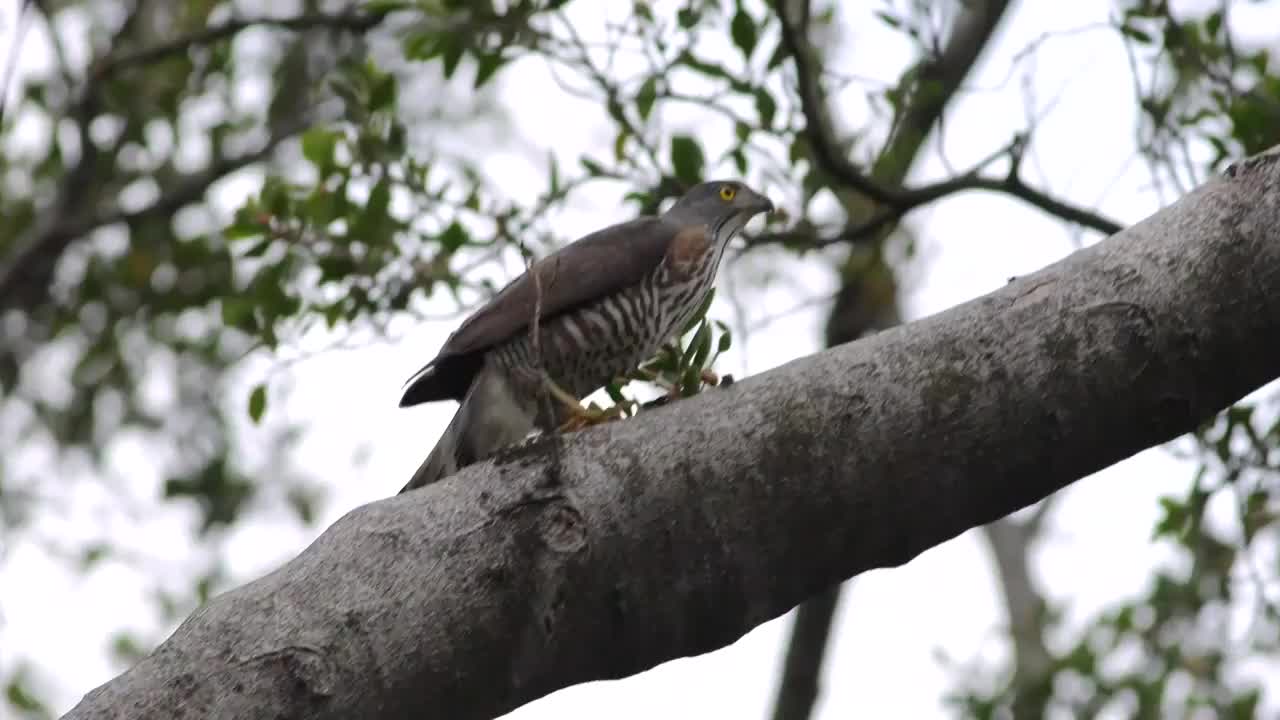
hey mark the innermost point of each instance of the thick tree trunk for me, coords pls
(678, 531)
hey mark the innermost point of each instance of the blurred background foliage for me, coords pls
(134, 303)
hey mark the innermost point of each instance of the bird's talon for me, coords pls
(583, 417)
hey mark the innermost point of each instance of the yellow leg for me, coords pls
(580, 416)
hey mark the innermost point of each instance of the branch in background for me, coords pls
(943, 77)
(793, 20)
(514, 579)
(913, 198)
(347, 22)
(800, 684)
(1010, 541)
(26, 274)
(24, 280)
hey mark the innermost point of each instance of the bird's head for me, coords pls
(724, 206)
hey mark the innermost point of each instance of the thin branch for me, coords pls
(352, 22)
(898, 201)
(818, 131)
(910, 199)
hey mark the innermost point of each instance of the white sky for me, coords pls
(892, 623)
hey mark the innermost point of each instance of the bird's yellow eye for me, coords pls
(727, 192)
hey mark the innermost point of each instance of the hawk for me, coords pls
(605, 303)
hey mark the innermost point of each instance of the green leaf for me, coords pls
(379, 7)
(699, 339)
(553, 180)
(257, 402)
(244, 228)
(452, 56)
(318, 146)
(702, 343)
(454, 237)
(383, 94)
(615, 394)
(126, 648)
(1255, 514)
(237, 312)
(646, 96)
(94, 554)
(620, 144)
(422, 46)
(259, 248)
(379, 199)
(779, 54)
(642, 11)
(726, 341)
(691, 381)
(766, 106)
(1175, 517)
(888, 19)
(22, 698)
(486, 67)
(743, 30)
(687, 159)
(1246, 705)
(1134, 33)
(1213, 23)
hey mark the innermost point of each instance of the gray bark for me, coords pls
(863, 303)
(676, 532)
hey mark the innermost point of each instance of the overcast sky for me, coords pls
(893, 623)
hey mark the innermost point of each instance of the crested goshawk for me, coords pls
(605, 303)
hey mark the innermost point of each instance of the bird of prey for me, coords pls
(605, 303)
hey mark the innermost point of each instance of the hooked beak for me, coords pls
(760, 204)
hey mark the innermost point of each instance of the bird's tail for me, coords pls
(489, 418)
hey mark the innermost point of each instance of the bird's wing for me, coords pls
(590, 268)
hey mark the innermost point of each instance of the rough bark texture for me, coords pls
(867, 300)
(677, 532)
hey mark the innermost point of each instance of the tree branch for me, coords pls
(916, 197)
(676, 532)
(25, 275)
(867, 298)
(949, 70)
(25, 278)
(353, 22)
(1010, 542)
